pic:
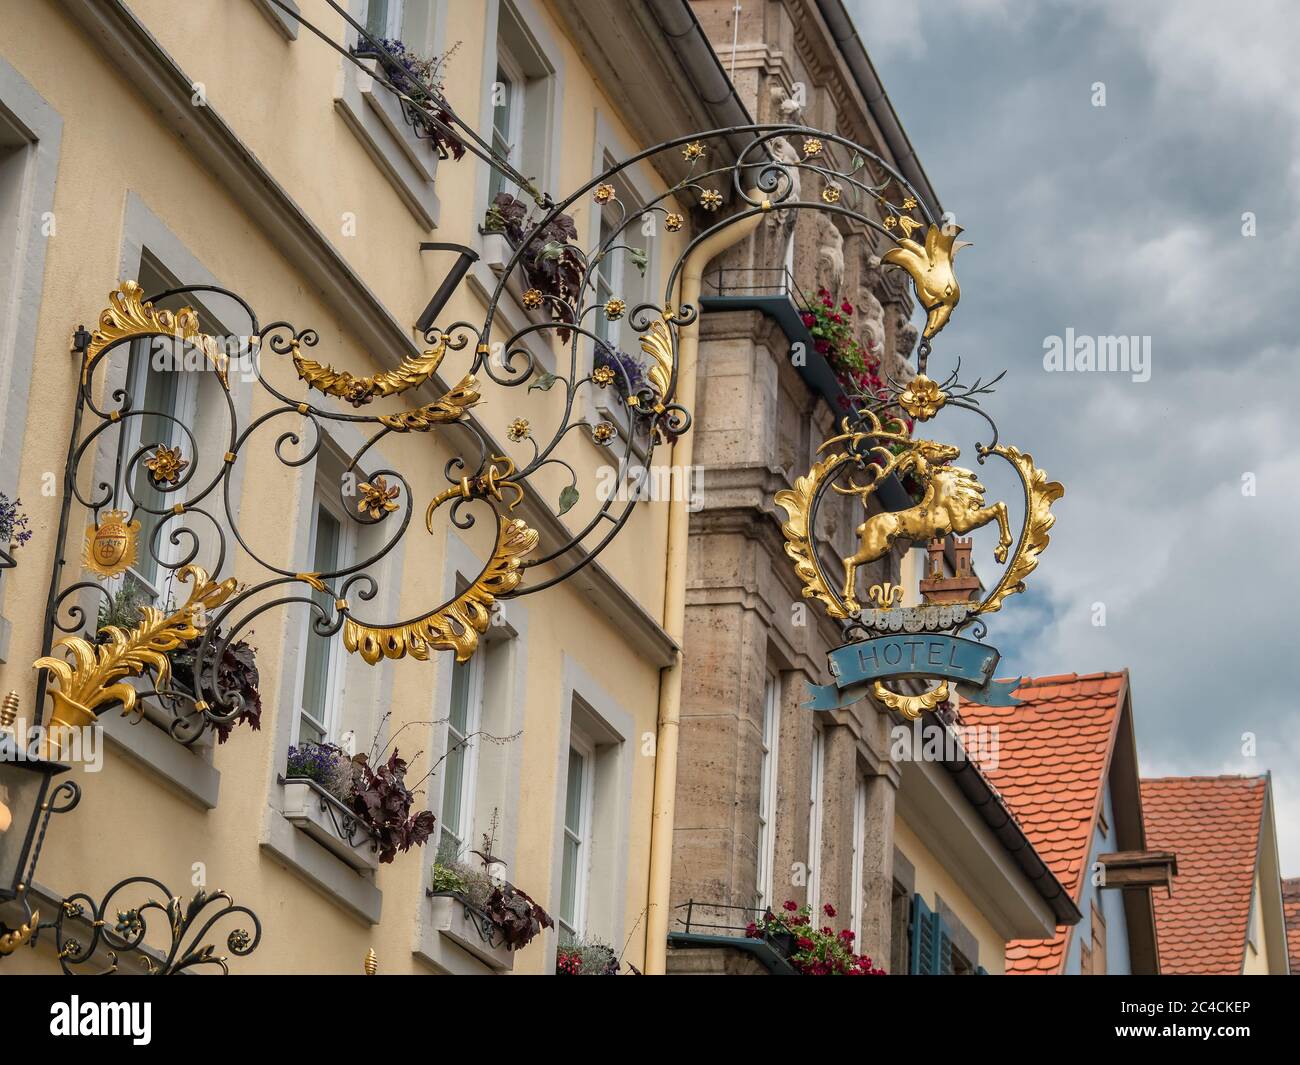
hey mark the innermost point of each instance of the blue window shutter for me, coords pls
(941, 944)
(921, 939)
(981, 971)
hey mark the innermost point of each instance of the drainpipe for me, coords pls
(674, 621)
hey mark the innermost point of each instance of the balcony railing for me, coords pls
(713, 924)
(775, 292)
(755, 281)
(712, 918)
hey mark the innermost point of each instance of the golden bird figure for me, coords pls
(931, 271)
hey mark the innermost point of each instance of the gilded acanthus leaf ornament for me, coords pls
(130, 315)
(458, 625)
(1040, 494)
(657, 343)
(930, 267)
(797, 502)
(413, 372)
(450, 408)
(92, 675)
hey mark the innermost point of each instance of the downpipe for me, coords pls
(674, 617)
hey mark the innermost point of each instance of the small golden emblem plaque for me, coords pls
(111, 545)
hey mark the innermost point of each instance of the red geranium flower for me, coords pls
(828, 910)
(790, 905)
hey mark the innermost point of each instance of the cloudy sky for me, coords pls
(1128, 219)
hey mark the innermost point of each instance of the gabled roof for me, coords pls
(1213, 823)
(1291, 911)
(1053, 753)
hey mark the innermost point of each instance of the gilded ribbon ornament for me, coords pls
(458, 625)
(413, 371)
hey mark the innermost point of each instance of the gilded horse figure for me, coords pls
(953, 503)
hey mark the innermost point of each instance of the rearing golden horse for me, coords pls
(953, 503)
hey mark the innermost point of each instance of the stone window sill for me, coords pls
(408, 161)
(308, 853)
(184, 769)
(457, 922)
(284, 23)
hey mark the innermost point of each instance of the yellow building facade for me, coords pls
(223, 144)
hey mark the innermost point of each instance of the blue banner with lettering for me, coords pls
(857, 666)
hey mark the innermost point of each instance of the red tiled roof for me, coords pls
(1053, 750)
(1291, 910)
(1213, 824)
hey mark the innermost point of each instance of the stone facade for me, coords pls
(759, 423)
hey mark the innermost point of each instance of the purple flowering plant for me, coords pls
(629, 371)
(13, 522)
(377, 795)
(420, 78)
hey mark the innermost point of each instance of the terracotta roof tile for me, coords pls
(1212, 824)
(1052, 751)
(1291, 908)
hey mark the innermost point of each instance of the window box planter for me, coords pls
(397, 65)
(497, 251)
(331, 824)
(471, 930)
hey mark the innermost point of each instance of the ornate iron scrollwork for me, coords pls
(485, 477)
(125, 932)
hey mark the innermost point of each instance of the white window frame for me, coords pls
(393, 22)
(607, 279)
(514, 134)
(463, 833)
(587, 751)
(815, 811)
(336, 661)
(859, 846)
(517, 40)
(185, 412)
(767, 781)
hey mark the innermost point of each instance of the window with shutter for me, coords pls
(1098, 942)
(920, 936)
(942, 965)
